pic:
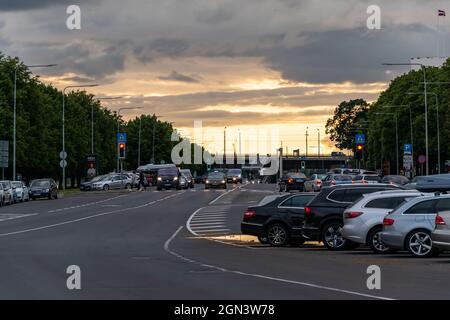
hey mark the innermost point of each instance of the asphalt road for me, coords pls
(174, 245)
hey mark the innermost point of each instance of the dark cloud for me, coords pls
(350, 55)
(176, 76)
(160, 47)
(21, 5)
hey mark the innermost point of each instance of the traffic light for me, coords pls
(359, 152)
(122, 148)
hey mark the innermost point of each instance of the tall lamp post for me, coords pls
(426, 104)
(410, 127)
(396, 133)
(15, 107)
(63, 127)
(437, 127)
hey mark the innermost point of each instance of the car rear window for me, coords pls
(342, 178)
(372, 178)
(443, 205)
(424, 207)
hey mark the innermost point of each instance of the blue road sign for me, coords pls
(407, 149)
(360, 138)
(121, 137)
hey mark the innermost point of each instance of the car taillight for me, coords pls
(364, 181)
(319, 182)
(439, 220)
(249, 214)
(388, 221)
(333, 182)
(290, 180)
(352, 214)
(307, 210)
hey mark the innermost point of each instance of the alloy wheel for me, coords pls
(420, 244)
(333, 236)
(277, 235)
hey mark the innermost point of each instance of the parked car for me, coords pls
(2, 196)
(234, 175)
(336, 179)
(8, 192)
(292, 181)
(43, 188)
(394, 179)
(314, 183)
(277, 220)
(216, 179)
(323, 215)
(363, 220)
(186, 173)
(168, 178)
(441, 234)
(113, 181)
(410, 225)
(134, 178)
(87, 185)
(183, 182)
(21, 192)
(367, 178)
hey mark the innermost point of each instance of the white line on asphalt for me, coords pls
(86, 204)
(300, 283)
(213, 230)
(208, 222)
(196, 220)
(88, 217)
(222, 195)
(210, 227)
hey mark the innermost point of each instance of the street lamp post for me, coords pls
(426, 104)
(15, 108)
(410, 127)
(437, 128)
(396, 135)
(139, 143)
(63, 127)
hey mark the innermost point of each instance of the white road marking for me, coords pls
(260, 276)
(88, 217)
(222, 195)
(12, 216)
(86, 204)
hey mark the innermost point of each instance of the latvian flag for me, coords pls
(441, 13)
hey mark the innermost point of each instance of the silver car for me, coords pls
(441, 234)
(113, 181)
(8, 192)
(314, 183)
(21, 192)
(409, 226)
(363, 220)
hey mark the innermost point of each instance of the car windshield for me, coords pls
(17, 184)
(168, 172)
(215, 175)
(40, 183)
(5, 184)
(186, 173)
(234, 172)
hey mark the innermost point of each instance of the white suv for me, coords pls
(363, 220)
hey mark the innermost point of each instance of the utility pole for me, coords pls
(318, 143)
(139, 147)
(224, 146)
(306, 141)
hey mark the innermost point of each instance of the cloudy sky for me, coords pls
(244, 64)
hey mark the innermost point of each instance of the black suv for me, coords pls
(43, 188)
(323, 215)
(277, 220)
(168, 178)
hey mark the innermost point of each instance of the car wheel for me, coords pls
(277, 235)
(332, 236)
(375, 243)
(419, 244)
(263, 240)
(106, 187)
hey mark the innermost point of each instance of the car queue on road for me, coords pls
(386, 214)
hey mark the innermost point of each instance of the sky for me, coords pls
(258, 67)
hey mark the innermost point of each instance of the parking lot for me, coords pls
(187, 244)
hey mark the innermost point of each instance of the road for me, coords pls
(177, 245)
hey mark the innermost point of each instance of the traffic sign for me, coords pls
(63, 163)
(63, 155)
(360, 138)
(407, 149)
(121, 137)
(422, 159)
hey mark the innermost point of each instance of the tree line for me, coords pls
(39, 129)
(403, 98)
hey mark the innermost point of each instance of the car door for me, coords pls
(293, 210)
(116, 182)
